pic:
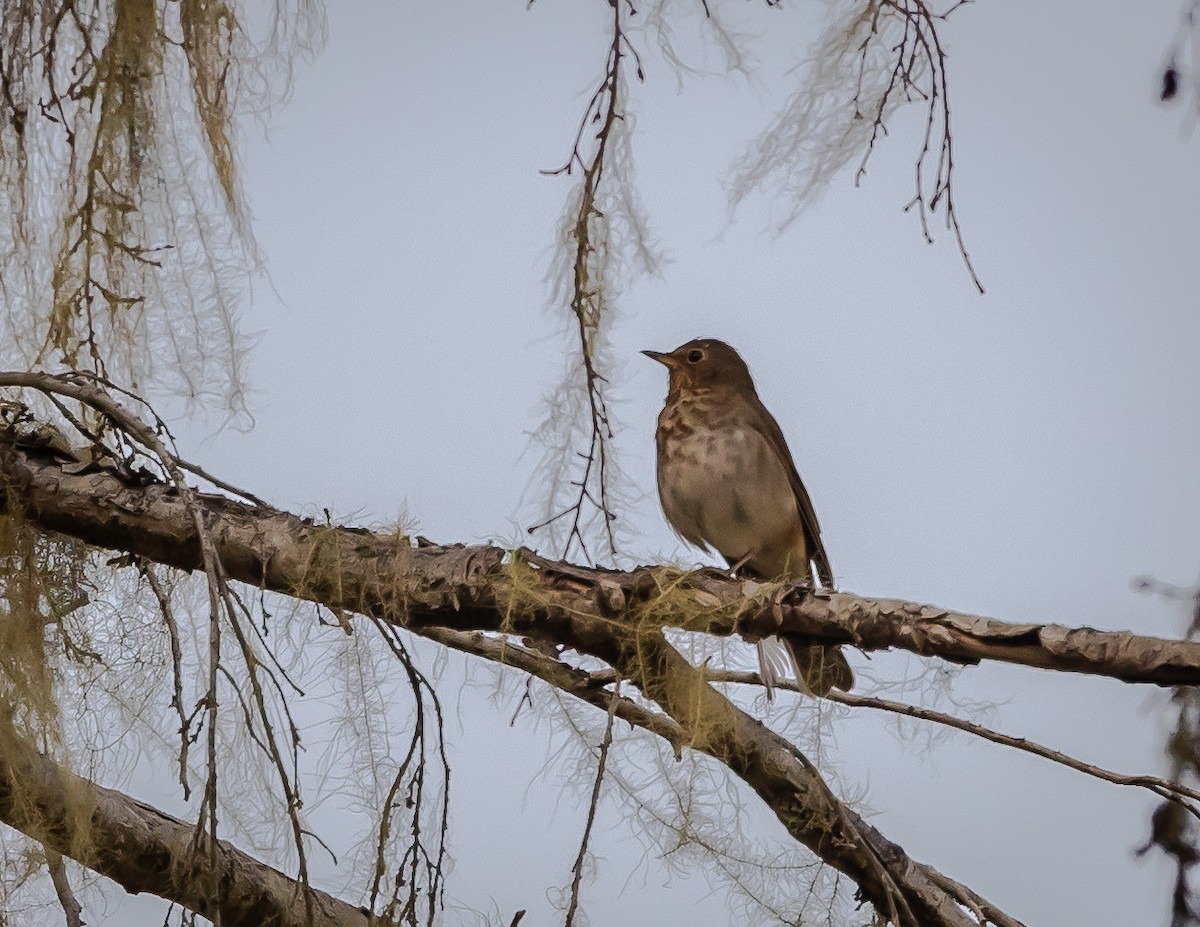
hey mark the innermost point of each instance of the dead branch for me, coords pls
(899, 888)
(919, 71)
(585, 686)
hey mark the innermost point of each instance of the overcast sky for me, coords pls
(1023, 455)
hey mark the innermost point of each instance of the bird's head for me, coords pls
(704, 363)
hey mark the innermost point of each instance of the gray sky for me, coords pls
(1022, 455)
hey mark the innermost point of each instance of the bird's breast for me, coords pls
(723, 485)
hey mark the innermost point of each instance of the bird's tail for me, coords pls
(816, 667)
(774, 663)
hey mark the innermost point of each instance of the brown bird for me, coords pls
(727, 481)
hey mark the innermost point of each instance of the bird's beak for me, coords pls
(661, 357)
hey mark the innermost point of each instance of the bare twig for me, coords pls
(417, 869)
(587, 299)
(1164, 788)
(589, 687)
(593, 806)
(168, 615)
(920, 50)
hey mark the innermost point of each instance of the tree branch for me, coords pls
(901, 889)
(585, 686)
(476, 588)
(144, 850)
(703, 719)
(72, 909)
(617, 617)
(1186, 798)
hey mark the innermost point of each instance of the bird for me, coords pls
(727, 481)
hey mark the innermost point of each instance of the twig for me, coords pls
(593, 805)
(168, 616)
(587, 293)
(920, 46)
(1164, 788)
(586, 686)
(417, 866)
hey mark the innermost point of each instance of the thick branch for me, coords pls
(617, 617)
(472, 588)
(144, 850)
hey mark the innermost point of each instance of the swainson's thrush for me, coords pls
(727, 481)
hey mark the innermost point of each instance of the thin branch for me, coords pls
(790, 785)
(168, 615)
(593, 805)
(920, 47)
(587, 300)
(585, 686)
(72, 909)
(1164, 788)
(874, 58)
(590, 686)
(417, 867)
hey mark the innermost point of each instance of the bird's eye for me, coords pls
(695, 356)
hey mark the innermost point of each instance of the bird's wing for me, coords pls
(689, 537)
(808, 515)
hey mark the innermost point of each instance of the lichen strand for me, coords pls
(112, 149)
(125, 248)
